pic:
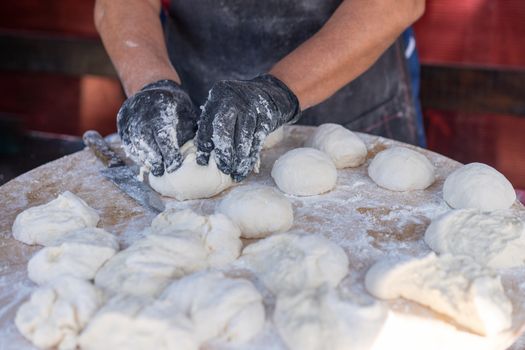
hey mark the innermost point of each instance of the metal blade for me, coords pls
(126, 180)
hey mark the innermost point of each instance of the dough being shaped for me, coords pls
(401, 169)
(274, 138)
(304, 172)
(225, 310)
(178, 243)
(316, 319)
(478, 186)
(57, 312)
(45, 223)
(455, 286)
(494, 239)
(344, 147)
(78, 254)
(258, 210)
(138, 323)
(290, 263)
(191, 181)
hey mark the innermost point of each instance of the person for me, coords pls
(253, 66)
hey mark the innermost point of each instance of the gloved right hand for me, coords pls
(154, 123)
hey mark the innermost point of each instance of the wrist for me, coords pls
(283, 97)
(292, 85)
(135, 84)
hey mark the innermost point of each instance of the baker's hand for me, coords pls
(236, 119)
(154, 123)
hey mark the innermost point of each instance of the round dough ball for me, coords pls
(478, 186)
(401, 169)
(288, 263)
(344, 147)
(304, 172)
(258, 210)
(191, 181)
(274, 138)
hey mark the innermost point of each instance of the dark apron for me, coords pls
(211, 40)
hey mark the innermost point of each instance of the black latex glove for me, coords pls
(236, 119)
(154, 123)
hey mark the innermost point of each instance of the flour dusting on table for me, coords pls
(367, 221)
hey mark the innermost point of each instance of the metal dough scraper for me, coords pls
(121, 174)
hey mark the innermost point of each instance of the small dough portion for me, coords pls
(274, 138)
(197, 309)
(178, 243)
(78, 254)
(304, 172)
(191, 181)
(455, 286)
(258, 210)
(344, 147)
(218, 234)
(57, 312)
(224, 310)
(478, 186)
(494, 239)
(401, 169)
(138, 323)
(44, 223)
(317, 319)
(290, 263)
(147, 266)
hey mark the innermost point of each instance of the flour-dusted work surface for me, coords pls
(367, 221)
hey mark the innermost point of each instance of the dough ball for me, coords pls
(455, 286)
(199, 308)
(344, 147)
(274, 138)
(496, 239)
(147, 266)
(478, 186)
(137, 323)
(258, 210)
(320, 318)
(304, 172)
(290, 263)
(45, 223)
(218, 234)
(177, 244)
(191, 181)
(57, 312)
(227, 310)
(401, 169)
(78, 254)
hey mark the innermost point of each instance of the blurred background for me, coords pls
(56, 82)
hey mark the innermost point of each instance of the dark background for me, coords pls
(55, 78)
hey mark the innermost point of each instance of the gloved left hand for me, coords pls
(236, 119)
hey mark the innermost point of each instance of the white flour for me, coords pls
(367, 221)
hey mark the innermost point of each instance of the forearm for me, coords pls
(132, 35)
(348, 44)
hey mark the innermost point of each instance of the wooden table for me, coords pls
(366, 220)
